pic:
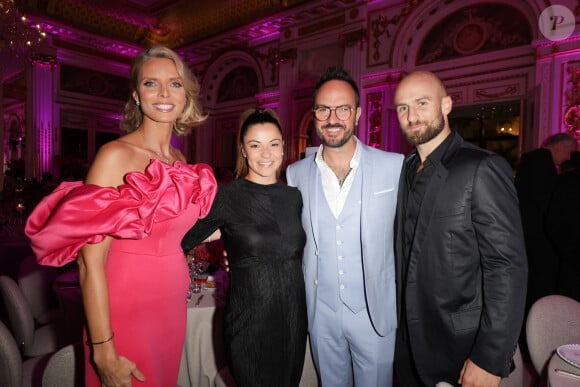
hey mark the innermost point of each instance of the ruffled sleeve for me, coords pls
(75, 213)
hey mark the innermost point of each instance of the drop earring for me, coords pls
(138, 103)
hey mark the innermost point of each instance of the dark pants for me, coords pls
(405, 370)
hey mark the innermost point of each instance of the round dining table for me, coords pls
(203, 351)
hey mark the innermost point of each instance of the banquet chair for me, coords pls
(516, 378)
(35, 281)
(552, 321)
(13, 371)
(10, 359)
(65, 367)
(32, 341)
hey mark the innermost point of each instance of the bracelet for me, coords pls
(101, 342)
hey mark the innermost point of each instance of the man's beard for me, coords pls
(335, 142)
(431, 131)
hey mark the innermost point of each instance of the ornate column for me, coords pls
(274, 100)
(40, 115)
(1, 123)
(282, 77)
(556, 94)
(353, 44)
(393, 139)
(383, 130)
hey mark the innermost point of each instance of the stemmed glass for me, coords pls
(196, 267)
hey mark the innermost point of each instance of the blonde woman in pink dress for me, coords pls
(124, 225)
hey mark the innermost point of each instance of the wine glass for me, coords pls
(192, 264)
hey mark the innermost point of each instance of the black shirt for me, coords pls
(415, 186)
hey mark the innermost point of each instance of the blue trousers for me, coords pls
(346, 349)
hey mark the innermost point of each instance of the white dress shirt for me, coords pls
(334, 193)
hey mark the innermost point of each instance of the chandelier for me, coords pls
(17, 33)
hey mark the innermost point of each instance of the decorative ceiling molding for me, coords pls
(173, 23)
(193, 28)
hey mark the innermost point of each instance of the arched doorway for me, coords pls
(229, 87)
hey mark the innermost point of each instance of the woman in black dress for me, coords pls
(265, 323)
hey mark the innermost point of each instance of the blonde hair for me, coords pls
(192, 114)
(248, 118)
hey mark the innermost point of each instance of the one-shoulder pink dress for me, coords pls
(146, 270)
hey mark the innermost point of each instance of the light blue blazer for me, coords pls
(380, 178)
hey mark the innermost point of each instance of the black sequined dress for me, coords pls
(265, 322)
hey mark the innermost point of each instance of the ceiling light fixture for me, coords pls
(16, 31)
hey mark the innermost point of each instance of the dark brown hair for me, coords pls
(336, 74)
(252, 117)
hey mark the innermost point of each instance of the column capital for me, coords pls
(44, 60)
(353, 38)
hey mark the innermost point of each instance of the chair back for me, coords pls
(35, 281)
(65, 368)
(516, 378)
(18, 311)
(10, 359)
(552, 321)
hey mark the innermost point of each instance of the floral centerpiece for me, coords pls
(208, 255)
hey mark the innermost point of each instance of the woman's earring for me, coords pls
(138, 103)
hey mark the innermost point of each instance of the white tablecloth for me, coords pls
(203, 352)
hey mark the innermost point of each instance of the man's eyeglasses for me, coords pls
(342, 112)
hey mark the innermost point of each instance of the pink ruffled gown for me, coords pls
(146, 270)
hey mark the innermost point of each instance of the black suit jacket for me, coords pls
(464, 281)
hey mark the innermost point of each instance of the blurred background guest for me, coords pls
(563, 225)
(535, 180)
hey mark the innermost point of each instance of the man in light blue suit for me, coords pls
(349, 192)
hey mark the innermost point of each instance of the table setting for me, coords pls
(203, 350)
(564, 366)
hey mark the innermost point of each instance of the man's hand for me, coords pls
(473, 376)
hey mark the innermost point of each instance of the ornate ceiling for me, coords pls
(119, 29)
(145, 22)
